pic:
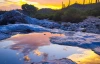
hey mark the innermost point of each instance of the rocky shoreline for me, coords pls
(90, 25)
(14, 22)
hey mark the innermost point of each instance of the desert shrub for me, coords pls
(57, 16)
(30, 9)
(44, 16)
(94, 12)
(73, 15)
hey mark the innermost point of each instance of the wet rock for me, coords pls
(12, 17)
(4, 36)
(15, 17)
(7, 31)
(58, 61)
(22, 27)
(79, 39)
(90, 25)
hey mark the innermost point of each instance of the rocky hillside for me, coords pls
(26, 23)
(90, 25)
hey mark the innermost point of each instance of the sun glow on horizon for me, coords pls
(21, 2)
(57, 4)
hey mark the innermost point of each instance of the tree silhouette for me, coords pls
(30, 9)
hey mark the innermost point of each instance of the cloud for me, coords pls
(49, 2)
(9, 4)
(1, 1)
(9, 7)
(54, 4)
(12, 0)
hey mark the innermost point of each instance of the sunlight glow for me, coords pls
(86, 57)
(21, 2)
(53, 4)
(37, 52)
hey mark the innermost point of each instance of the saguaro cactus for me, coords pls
(69, 3)
(97, 1)
(83, 2)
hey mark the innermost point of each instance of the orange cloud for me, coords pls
(9, 6)
(54, 4)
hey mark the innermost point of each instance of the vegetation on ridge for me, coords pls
(74, 13)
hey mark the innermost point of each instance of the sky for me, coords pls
(54, 4)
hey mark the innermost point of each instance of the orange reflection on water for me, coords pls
(26, 58)
(86, 57)
(29, 42)
(34, 39)
(37, 52)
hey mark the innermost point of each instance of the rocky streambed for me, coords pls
(31, 41)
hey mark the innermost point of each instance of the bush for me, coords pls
(30, 9)
(44, 16)
(57, 16)
(93, 12)
(73, 15)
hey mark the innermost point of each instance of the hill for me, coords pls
(16, 21)
(74, 13)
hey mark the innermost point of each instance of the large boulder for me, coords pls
(57, 61)
(7, 31)
(12, 17)
(90, 25)
(15, 17)
(79, 39)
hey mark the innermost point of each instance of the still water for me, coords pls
(36, 47)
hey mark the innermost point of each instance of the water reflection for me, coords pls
(28, 42)
(36, 47)
(79, 39)
(86, 57)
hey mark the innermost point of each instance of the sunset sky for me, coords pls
(54, 4)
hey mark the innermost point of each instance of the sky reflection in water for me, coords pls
(36, 47)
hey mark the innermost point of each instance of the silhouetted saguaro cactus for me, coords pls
(83, 2)
(91, 1)
(97, 1)
(69, 3)
(63, 5)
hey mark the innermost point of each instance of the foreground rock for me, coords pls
(57, 61)
(15, 17)
(79, 39)
(4, 36)
(90, 25)
(7, 31)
